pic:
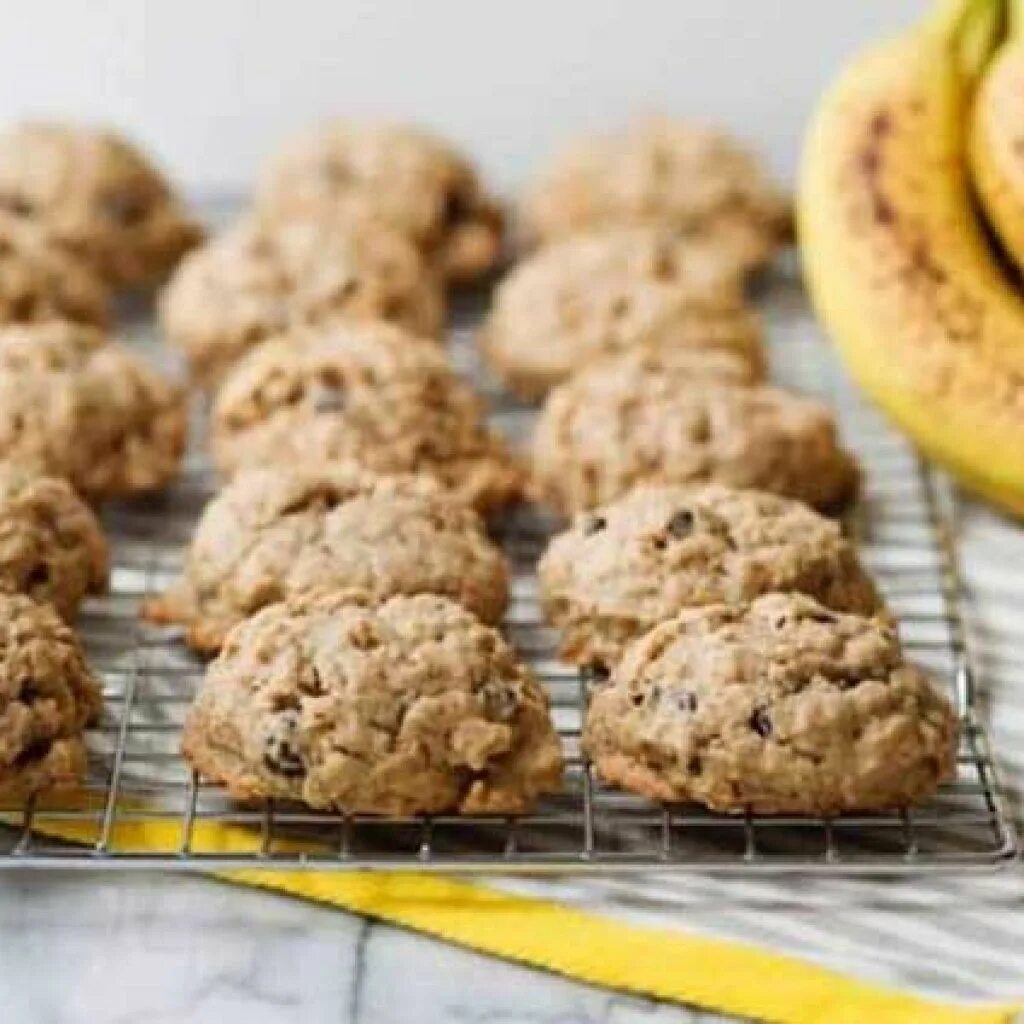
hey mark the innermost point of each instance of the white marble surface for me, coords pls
(79, 948)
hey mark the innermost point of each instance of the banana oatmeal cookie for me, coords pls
(601, 293)
(779, 706)
(51, 545)
(94, 194)
(412, 706)
(395, 173)
(625, 567)
(253, 281)
(47, 697)
(274, 533)
(685, 176)
(77, 405)
(363, 393)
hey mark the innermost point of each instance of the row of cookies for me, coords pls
(739, 656)
(361, 219)
(52, 554)
(359, 667)
(80, 417)
(83, 214)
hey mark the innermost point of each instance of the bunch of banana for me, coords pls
(900, 265)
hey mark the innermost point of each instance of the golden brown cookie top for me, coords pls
(255, 280)
(47, 696)
(603, 432)
(626, 566)
(401, 175)
(76, 404)
(276, 532)
(40, 282)
(410, 706)
(778, 705)
(363, 393)
(604, 292)
(51, 544)
(692, 178)
(91, 192)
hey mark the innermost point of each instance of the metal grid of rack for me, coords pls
(142, 807)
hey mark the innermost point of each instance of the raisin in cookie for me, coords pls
(407, 707)
(254, 281)
(77, 405)
(365, 393)
(605, 430)
(273, 533)
(629, 565)
(779, 706)
(603, 292)
(402, 176)
(95, 195)
(51, 546)
(39, 282)
(47, 697)
(688, 177)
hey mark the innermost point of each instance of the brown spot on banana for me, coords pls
(916, 303)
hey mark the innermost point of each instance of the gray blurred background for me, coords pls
(213, 85)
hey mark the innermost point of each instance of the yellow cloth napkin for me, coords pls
(724, 976)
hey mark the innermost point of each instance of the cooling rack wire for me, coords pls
(142, 807)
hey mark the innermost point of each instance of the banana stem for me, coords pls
(981, 32)
(1015, 19)
(972, 29)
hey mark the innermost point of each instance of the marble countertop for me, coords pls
(82, 948)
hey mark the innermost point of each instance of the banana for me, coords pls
(895, 262)
(996, 140)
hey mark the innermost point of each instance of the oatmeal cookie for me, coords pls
(274, 533)
(604, 292)
(408, 707)
(779, 706)
(40, 282)
(686, 176)
(395, 173)
(51, 545)
(47, 697)
(363, 393)
(95, 195)
(625, 567)
(254, 281)
(605, 431)
(77, 405)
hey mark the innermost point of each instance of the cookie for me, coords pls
(395, 173)
(409, 707)
(77, 405)
(629, 565)
(47, 697)
(779, 706)
(51, 545)
(604, 292)
(688, 177)
(605, 431)
(274, 533)
(255, 281)
(365, 393)
(92, 193)
(39, 282)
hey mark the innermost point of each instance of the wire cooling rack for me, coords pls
(142, 807)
